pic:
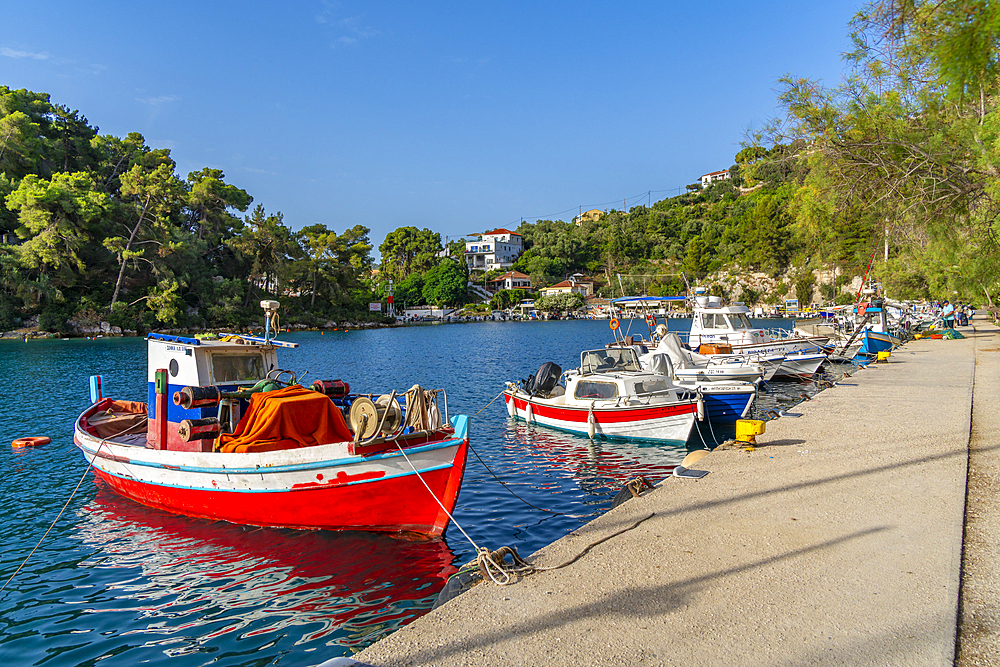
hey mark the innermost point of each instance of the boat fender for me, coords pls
(434, 420)
(511, 407)
(701, 406)
(197, 397)
(528, 416)
(207, 428)
(591, 422)
(332, 388)
(31, 441)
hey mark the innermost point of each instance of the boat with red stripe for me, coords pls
(608, 396)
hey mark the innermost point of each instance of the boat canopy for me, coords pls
(647, 299)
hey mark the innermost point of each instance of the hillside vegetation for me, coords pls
(101, 228)
(899, 165)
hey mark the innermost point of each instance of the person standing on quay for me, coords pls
(948, 314)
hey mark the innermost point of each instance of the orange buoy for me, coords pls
(31, 441)
(614, 324)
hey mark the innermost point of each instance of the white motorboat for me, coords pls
(608, 396)
(690, 366)
(730, 327)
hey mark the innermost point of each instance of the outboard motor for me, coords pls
(545, 379)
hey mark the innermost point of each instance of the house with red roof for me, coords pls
(511, 280)
(498, 249)
(575, 283)
(713, 176)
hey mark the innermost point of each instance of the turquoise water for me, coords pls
(121, 584)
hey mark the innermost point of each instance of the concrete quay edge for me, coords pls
(838, 540)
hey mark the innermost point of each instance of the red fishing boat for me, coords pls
(227, 435)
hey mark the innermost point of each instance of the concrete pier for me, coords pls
(837, 541)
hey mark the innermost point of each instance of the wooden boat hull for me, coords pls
(668, 422)
(320, 487)
(873, 342)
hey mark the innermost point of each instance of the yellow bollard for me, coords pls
(747, 430)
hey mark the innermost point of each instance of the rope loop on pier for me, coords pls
(492, 565)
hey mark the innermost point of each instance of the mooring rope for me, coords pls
(54, 521)
(504, 485)
(491, 402)
(491, 564)
(436, 499)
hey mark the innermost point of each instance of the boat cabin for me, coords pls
(715, 324)
(177, 364)
(872, 314)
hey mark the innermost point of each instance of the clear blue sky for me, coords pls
(459, 117)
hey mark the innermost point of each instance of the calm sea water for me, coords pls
(117, 583)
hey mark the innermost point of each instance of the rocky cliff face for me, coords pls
(766, 288)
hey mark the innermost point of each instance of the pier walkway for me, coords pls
(837, 541)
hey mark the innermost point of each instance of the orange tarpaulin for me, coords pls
(286, 419)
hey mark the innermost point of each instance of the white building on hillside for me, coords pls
(574, 284)
(713, 176)
(498, 249)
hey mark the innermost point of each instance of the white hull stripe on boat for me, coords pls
(90, 448)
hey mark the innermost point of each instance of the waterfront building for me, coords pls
(576, 283)
(511, 280)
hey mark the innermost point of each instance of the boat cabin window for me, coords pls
(650, 387)
(590, 389)
(609, 360)
(237, 368)
(713, 321)
(740, 321)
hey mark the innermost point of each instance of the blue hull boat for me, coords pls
(724, 402)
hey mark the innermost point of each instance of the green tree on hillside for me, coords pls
(149, 199)
(409, 249)
(446, 284)
(59, 221)
(910, 143)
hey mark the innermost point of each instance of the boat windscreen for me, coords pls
(602, 390)
(609, 360)
(651, 387)
(740, 321)
(237, 368)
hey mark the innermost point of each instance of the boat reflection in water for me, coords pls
(600, 467)
(204, 586)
